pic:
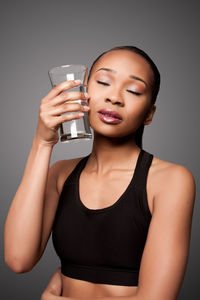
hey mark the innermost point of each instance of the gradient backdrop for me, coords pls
(38, 35)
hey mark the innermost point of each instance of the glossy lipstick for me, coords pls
(109, 116)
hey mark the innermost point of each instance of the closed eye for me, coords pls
(135, 93)
(101, 82)
(132, 92)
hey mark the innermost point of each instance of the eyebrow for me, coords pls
(131, 76)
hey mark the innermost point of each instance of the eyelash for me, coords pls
(104, 83)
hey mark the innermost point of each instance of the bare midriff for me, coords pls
(83, 289)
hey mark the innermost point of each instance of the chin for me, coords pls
(111, 130)
(105, 129)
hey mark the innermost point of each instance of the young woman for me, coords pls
(120, 217)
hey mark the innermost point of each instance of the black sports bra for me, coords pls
(103, 245)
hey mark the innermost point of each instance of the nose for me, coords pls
(115, 97)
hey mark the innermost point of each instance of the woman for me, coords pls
(121, 218)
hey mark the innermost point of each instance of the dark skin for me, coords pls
(131, 98)
(170, 187)
(112, 145)
(117, 95)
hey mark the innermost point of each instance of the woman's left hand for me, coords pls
(53, 290)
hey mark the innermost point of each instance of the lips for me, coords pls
(110, 113)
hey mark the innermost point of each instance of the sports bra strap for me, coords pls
(78, 168)
(142, 169)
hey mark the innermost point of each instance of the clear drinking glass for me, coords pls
(78, 128)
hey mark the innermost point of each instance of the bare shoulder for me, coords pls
(172, 181)
(62, 170)
(168, 174)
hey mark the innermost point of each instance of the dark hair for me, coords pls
(155, 85)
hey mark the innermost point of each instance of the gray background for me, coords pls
(38, 35)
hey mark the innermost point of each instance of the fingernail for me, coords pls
(86, 108)
(77, 81)
(86, 95)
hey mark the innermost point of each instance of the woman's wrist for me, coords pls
(39, 143)
(54, 288)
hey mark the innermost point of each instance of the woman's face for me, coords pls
(120, 81)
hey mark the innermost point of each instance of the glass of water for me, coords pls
(78, 128)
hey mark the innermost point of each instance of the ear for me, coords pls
(149, 115)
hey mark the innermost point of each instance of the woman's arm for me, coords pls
(167, 247)
(166, 251)
(31, 214)
(23, 226)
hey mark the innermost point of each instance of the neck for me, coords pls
(110, 153)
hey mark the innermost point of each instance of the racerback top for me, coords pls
(103, 245)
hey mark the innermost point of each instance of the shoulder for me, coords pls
(174, 183)
(171, 175)
(62, 170)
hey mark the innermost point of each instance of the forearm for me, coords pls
(23, 226)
